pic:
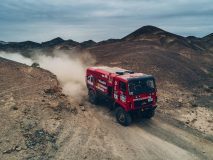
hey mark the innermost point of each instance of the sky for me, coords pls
(80, 20)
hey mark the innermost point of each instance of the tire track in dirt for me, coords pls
(98, 136)
(133, 142)
(177, 136)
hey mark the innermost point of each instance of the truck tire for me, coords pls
(123, 117)
(149, 114)
(93, 97)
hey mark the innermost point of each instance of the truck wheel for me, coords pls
(149, 114)
(123, 117)
(93, 97)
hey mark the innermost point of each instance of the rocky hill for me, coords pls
(147, 34)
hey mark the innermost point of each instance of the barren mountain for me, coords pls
(148, 35)
(28, 47)
(88, 43)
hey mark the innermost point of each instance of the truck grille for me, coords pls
(141, 103)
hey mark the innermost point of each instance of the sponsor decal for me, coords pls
(102, 82)
(102, 89)
(101, 86)
(115, 96)
(123, 98)
(150, 99)
(104, 76)
(90, 80)
(110, 80)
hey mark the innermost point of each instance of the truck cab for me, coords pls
(130, 92)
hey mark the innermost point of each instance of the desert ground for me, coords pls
(40, 119)
(39, 122)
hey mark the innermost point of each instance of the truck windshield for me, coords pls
(141, 86)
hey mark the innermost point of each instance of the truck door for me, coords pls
(122, 92)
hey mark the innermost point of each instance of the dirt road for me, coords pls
(98, 136)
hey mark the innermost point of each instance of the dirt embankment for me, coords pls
(31, 110)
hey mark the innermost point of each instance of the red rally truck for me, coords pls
(130, 93)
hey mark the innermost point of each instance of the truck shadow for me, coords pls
(108, 109)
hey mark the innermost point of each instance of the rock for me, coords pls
(55, 105)
(179, 104)
(35, 65)
(187, 122)
(83, 108)
(194, 104)
(207, 88)
(62, 95)
(81, 104)
(194, 120)
(210, 121)
(12, 149)
(18, 148)
(59, 106)
(53, 90)
(57, 118)
(6, 152)
(194, 95)
(14, 107)
(166, 100)
(74, 110)
(180, 100)
(27, 125)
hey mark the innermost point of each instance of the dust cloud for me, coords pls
(69, 69)
(16, 57)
